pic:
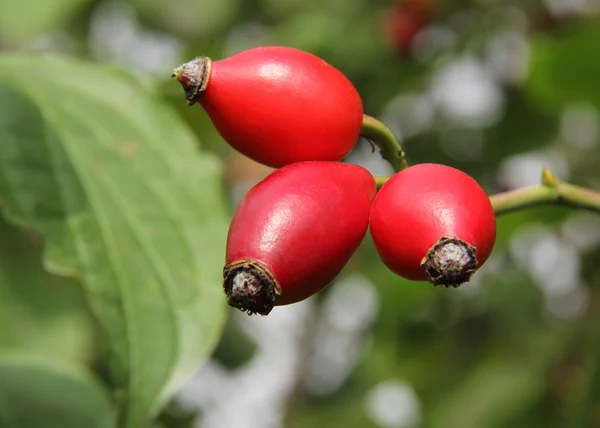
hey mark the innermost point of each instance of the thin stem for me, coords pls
(378, 133)
(563, 194)
(551, 191)
(380, 181)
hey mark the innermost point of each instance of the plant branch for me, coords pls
(379, 134)
(551, 191)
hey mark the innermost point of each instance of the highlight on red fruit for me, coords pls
(276, 105)
(433, 222)
(293, 233)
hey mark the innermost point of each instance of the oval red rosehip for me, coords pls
(293, 233)
(433, 222)
(277, 105)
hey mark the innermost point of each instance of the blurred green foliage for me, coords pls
(506, 351)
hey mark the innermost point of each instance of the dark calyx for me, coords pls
(193, 76)
(450, 262)
(250, 286)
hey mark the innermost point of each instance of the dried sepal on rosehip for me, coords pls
(276, 105)
(293, 233)
(433, 222)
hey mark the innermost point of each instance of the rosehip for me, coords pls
(402, 27)
(293, 233)
(433, 222)
(276, 105)
(405, 20)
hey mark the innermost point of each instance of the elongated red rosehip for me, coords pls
(433, 222)
(294, 232)
(276, 105)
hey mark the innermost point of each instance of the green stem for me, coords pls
(550, 192)
(380, 181)
(378, 133)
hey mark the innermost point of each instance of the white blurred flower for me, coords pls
(349, 310)
(565, 8)
(579, 126)
(555, 265)
(254, 395)
(410, 113)
(582, 229)
(508, 56)
(393, 404)
(433, 40)
(115, 36)
(466, 93)
(526, 169)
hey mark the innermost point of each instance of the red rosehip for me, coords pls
(404, 20)
(277, 105)
(433, 222)
(402, 26)
(293, 233)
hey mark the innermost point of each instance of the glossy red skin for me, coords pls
(418, 206)
(279, 105)
(304, 222)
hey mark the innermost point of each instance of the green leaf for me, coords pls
(39, 394)
(115, 183)
(21, 20)
(40, 313)
(565, 68)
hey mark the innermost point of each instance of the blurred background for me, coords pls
(497, 88)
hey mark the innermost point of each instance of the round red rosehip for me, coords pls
(293, 233)
(277, 105)
(433, 222)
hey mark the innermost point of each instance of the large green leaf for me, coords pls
(40, 313)
(21, 20)
(34, 393)
(114, 182)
